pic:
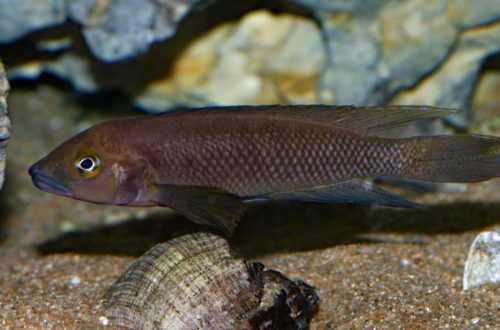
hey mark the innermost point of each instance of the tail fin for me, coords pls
(456, 158)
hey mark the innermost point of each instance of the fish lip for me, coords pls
(46, 182)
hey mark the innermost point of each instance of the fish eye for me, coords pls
(88, 165)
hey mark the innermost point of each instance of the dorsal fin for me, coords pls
(368, 119)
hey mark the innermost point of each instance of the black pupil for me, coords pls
(87, 164)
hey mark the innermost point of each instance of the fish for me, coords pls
(209, 164)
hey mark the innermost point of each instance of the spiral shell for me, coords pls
(195, 282)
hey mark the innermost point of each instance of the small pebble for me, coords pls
(104, 320)
(483, 262)
(75, 280)
(68, 226)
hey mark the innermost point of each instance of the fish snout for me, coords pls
(46, 182)
(33, 170)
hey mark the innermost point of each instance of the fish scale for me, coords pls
(253, 169)
(209, 163)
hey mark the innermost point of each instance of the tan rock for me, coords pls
(262, 58)
(487, 95)
(451, 85)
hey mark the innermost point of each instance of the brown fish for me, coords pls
(208, 163)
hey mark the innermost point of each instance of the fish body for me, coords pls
(208, 163)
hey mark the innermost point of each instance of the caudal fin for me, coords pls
(457, 158)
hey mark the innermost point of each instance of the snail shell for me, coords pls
(195, 282)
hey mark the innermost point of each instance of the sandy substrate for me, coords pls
(373, 267)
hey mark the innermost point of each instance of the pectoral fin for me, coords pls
(203, 205)
(349, 191)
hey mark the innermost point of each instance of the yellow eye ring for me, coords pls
(87, 164)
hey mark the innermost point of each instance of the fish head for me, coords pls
(90, 167)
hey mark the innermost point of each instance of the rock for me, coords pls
(5, 125)
(69, 66)
(113, 30)
(379, 49)
(413, 51)
(445, 85)
(483, 262)
(242, 63)
(486, 98)
(20, 17)
(235, 63)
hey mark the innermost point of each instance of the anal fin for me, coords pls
(202, 205)
(355, 191)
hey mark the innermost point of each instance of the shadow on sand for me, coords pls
(283, 226)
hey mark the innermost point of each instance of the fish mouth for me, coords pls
(46, 182)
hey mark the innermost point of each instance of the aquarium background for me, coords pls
(72, 64)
